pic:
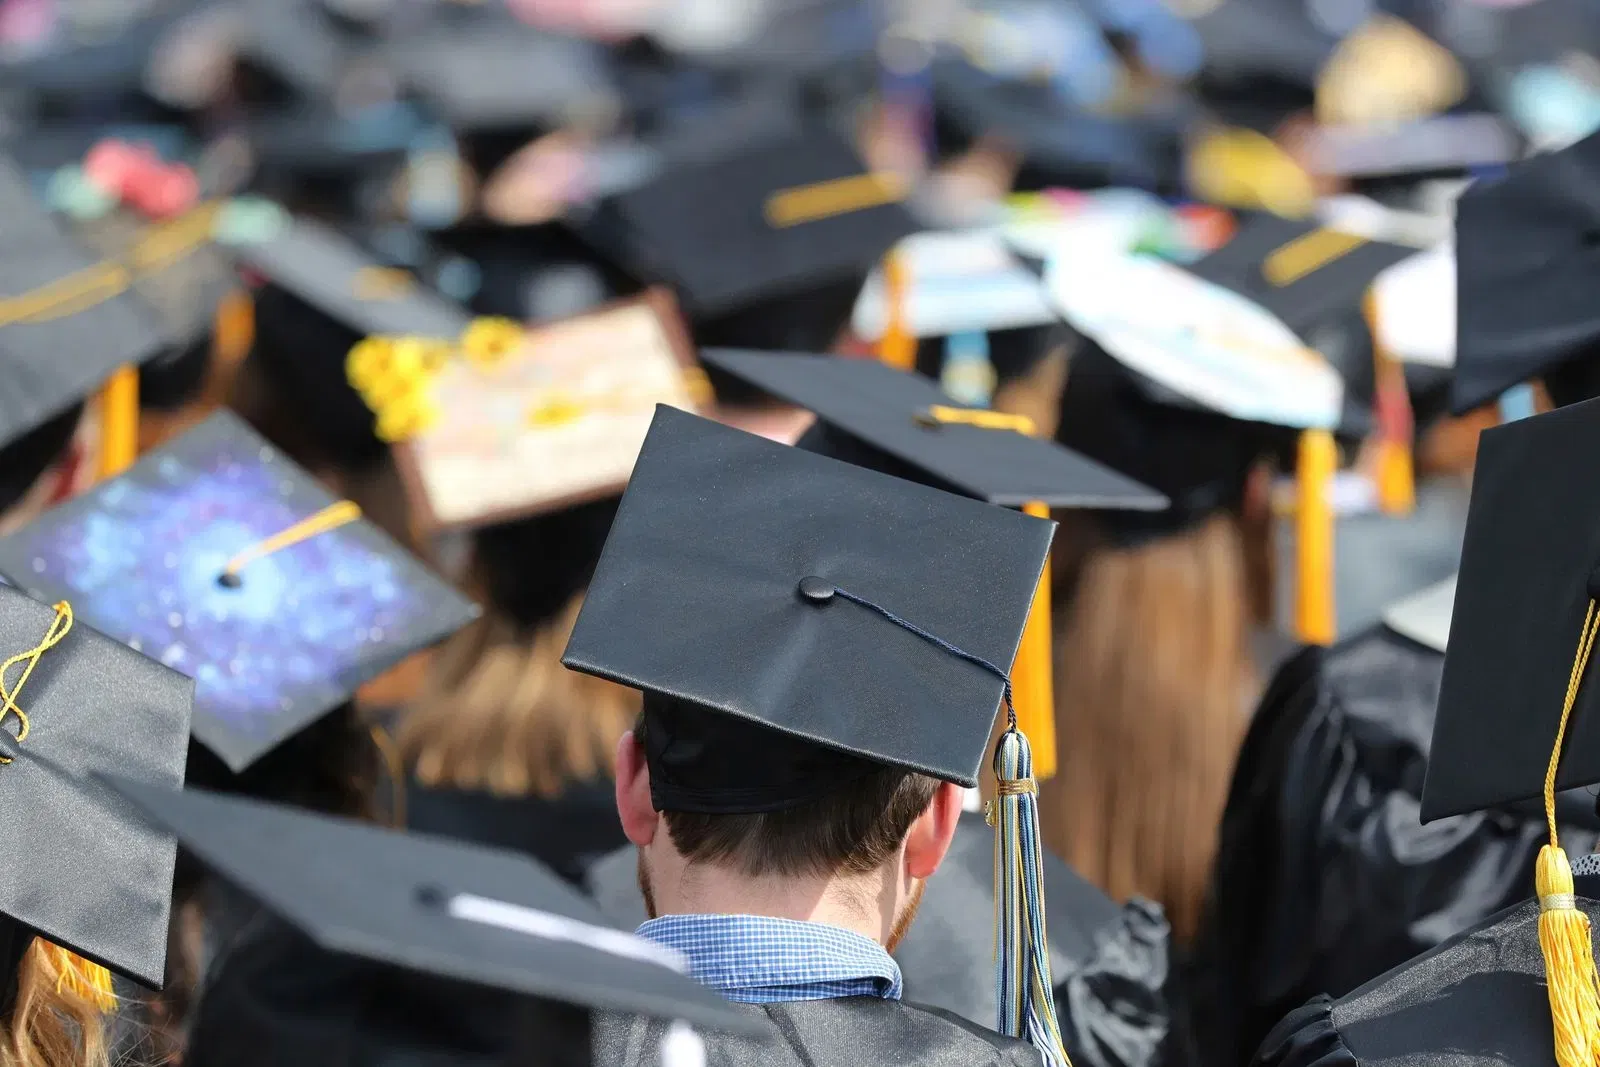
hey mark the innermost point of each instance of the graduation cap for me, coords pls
(405, 913)
(1441, 145)
(900, 423)
(90, 875)
(1525, 253)
(323, 294)
(1186, 386)
(502, 74)
(58, 298)
(553, 422)
(765, 243)
(220, 558)
(1516, 715)
(1058, 144)
(772, 603)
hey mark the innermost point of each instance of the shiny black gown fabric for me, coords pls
(1324, 877)
(848, 1032)
(1110, 964)
(1477, 999)
(277, 1000)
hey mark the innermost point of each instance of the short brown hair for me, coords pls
(855, 829)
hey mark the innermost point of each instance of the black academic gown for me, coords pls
(1325, 877)
(1479, 998)
(1110, 963)
(276, 1000)
(849, 1032)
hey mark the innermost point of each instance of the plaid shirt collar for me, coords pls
(754, 959)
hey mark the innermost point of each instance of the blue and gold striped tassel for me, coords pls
(1024, 986)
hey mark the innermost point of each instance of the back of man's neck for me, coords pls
(851, 905)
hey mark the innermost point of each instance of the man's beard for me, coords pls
(902, 922)
(645, 890)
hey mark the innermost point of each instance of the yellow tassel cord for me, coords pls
(1395, 474)
(233, 328)
(1314, 608)
(1564, 935)
(1032, 674)
(77, 976)
(59, 627)
(119, 422)
(898, 346)
(841, 196)
(331, 517)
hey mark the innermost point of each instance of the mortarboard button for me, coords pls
(816, 590)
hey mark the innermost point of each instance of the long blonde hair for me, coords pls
(1153, 679)
(501, 714)
(55, 1020)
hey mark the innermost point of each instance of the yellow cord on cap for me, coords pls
(119, 422)
(1395, 475)
(1564, 934)
(1307, 254)
(331, 517)
(841, 196)
(59, 627)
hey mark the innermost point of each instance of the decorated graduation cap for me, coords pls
(901, 424)
(1524, 260)
(809, 621)
(390, 920)
(88, 874)
(509, 422)
(220, 558)
(323, 294)
(1186, 386)
(1517, 705)
(765, 241)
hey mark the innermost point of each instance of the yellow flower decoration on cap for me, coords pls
(488, 341)
(407, 415)
(368, 362)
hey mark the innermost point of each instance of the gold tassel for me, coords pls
(897, 347)
(1395, 474)
(1033, 675)
(119, 422)
(1314, 609)
(1564, 935)
(78, 977)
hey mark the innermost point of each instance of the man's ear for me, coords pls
(639, 816)
(933, 831)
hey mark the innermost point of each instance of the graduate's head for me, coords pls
(820, 822)
(818, 649)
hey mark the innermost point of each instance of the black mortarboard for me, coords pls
(56, 298)
(555, 422)
(87, 873)
(1526, 254)
(1304, 274)
(877, 409)
(1058, 143)
(1528, 568)
(221, 558)
(324, 294)
(496, 74)
(765, 243)
(434, 907)
(769, 629)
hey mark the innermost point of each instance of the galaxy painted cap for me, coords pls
(86, 871)
(220, 558)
